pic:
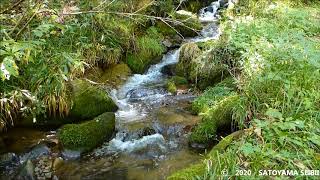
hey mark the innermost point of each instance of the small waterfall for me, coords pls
(209, 13)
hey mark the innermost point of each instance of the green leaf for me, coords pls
(10, 66)
(274, 113)
(315, 139)
(247, 149)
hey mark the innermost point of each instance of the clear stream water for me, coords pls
(151, 124)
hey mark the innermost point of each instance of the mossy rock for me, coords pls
(188, 52)
(219, 116)
(115, 75)
(165, 29)
(148, 50)
(93, 73)
(200, 169)
(189, 173)
(213, 95)
(140, 62)
(178, 80)
(174, 82)
(204, 64)
(89, 101)
(87, 135)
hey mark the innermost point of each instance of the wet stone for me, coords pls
(71, 155)
(48, 175)
(27, 171)
(36, 152)
(57, 163)
(8, 158)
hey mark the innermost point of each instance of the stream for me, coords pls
(152, 125)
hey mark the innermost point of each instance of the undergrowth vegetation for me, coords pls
(47, 44)
(275, 47)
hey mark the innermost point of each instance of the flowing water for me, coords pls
(151, 124)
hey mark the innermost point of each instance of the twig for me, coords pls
(25, 25)
(173, 28)
(144, 7)
(104, 3)
(13, 6)
(133, 14)
(181, 1)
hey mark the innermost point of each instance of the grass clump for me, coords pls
(218, 116)
(148, 48)
(212, 96)
(197, 170)
(275, 50)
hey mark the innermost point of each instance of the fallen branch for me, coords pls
(166, 20)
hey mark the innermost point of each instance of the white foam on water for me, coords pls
(153, 75)
(155, 140)
(209, 14)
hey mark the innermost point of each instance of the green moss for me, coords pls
(206, 45)
(213, 95)
(175, 81)
(116, 74)
(205, 63)
(171, 87)
(189, 173)
(148, 48)
(89, 101)
(165, 29)
(218, 116)
(202, 67)
(88, 135)
(178, 80)
(188, 52)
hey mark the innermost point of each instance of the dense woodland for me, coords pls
(261, 77)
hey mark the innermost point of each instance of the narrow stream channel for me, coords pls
(152, 124)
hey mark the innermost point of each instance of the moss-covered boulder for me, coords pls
(188, 52)
(115, 75)
(200, 169)
(87, 135)
(86, 101)
(89, 101)
(203, 65)
(213, 95)
(218, 116)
